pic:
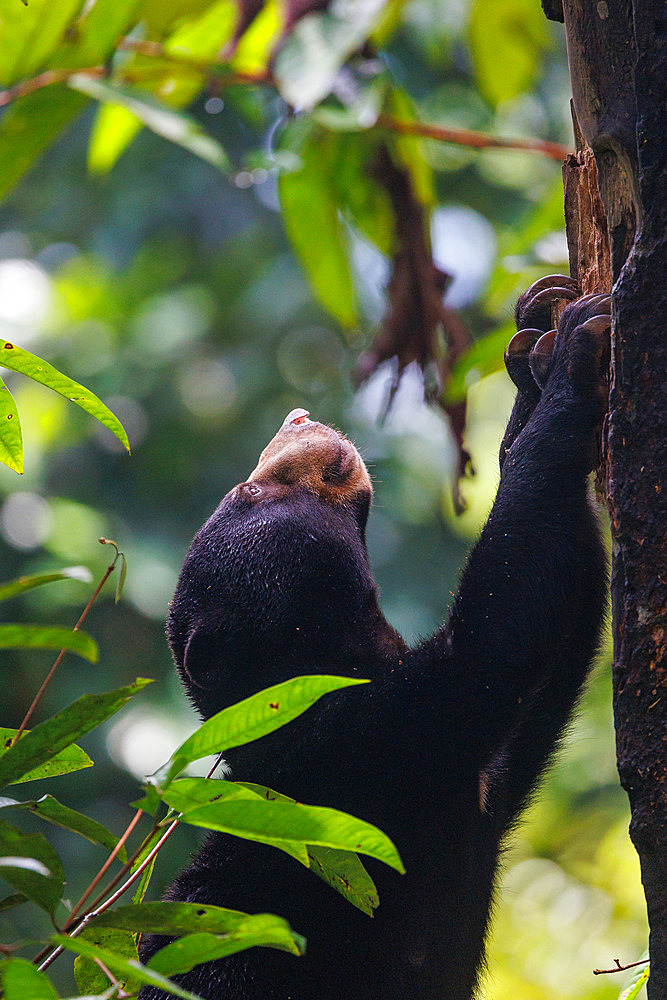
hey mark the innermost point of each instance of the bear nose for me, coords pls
(296, 418)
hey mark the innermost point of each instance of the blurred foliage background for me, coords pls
(170, 289)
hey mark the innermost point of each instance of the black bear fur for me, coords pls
(443, 748)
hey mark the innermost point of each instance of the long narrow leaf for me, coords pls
(116, 963)
(44, 741)
(11, 439)
(19, 360)
(21, 980)
(187, 794)
(72, 758)
(30, 126)
(52, 811)
(29, 33)
(249, 719)
(9, 902)
(262, 930)
(173, 125)
(12, 588)
(271, 822)
(342, 870)
(185, 918)
(311, 215)
(48, 637)
(31, 866)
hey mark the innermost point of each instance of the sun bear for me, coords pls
(442, 749)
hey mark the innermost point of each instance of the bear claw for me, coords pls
(534, 307)
(516, 358)
(540, 356)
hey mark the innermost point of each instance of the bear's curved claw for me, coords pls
(534, 307)
(540, 356)
(516, 359)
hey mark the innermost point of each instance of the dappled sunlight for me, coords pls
(142, 739)
(25, 300)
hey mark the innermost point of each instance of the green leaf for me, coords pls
(150, 802)
(190, 793)
(186, 794)
(144, 881)
(29, 33)
(21, 980)
(201, 36)
(633, 991)
(311, 215)
(19, 586)
(482, 358)
(508, 39)
(72, 758)
(359, 114)
(112, 133)
(49, 637)
(30, 126)
(342, 870)
(175, 126)
(90, 978)
(363, 200)
(273, 822)
(44, 741)
(53, 811)
(11, 439)
(408, 149)
(185, 918)
(122, 573)
(31, 866)
(120, 965)
(18, 360)
(9, 902)
(249, 719)
(96, 33)
(193, 949)
(307, 64)
(256, 46)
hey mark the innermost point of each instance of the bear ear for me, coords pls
(200, 666)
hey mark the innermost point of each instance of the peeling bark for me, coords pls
(617, 51)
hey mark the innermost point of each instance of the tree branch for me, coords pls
(219, 74)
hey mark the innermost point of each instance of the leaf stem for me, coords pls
(85, 920)
(47, 680)
(130, 827)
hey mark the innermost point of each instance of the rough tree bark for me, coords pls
(617, 51)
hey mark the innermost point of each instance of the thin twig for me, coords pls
(619, 967)
(124, 887)
(476, 140)
(130, 827)
(130, 861)
(84, 614)
(112, 899)
(46, 79)
(125, 869)
(107, 972)
(219, 73)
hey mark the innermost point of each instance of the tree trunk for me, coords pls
(617, 51)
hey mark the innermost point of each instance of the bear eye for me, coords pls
(250, 490)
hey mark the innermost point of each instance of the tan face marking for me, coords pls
(308, 455)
